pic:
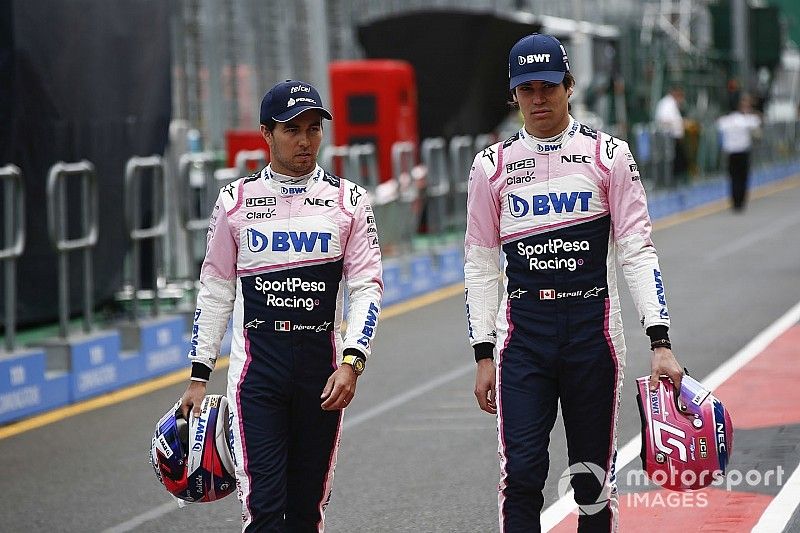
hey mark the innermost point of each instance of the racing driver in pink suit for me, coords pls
(284, 244)
(561, 203)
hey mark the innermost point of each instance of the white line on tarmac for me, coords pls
(781, 508)
(137, 521)
(408, 395)
(749, 239)
(554, 514)
(391, 403)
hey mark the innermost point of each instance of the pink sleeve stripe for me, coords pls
(341, 201)
(597, 156)
(499, 163)
(239, 199)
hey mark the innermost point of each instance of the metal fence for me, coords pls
(421, 206)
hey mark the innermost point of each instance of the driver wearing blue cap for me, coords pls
(564, 205)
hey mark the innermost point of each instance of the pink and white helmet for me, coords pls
(687, 446)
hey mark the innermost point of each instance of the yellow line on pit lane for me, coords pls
(178, 376)
(182, 375)
(105, 400)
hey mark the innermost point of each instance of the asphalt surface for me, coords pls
(427, 460)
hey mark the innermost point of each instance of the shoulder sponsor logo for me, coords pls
(373, 242)
(510, 140)
(576, 158)
(634, 167)
(355, 194)
(611, 146)
(703, 447)
(488, 153)
(333, 180)
(635, 177)
(285, 241)
(260, 201)
(520, 165)
(319, 202)
(229, 189)
(589, 132)
(258, 215)
(542, 204)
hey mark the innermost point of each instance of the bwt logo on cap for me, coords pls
(537, 57)
(533, 58)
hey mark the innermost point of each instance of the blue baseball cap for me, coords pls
(288, 99)
(537, 57)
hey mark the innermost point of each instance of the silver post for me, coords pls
(86, 195)
(63, 263)
(57, 229)
(10, 291)
(14, 208)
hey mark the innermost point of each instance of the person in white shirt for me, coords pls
(736, 135)
(669, 120)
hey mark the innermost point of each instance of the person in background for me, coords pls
(669, 119)
(736, 130)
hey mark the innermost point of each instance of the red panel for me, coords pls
(238, 140)
(393, 86)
